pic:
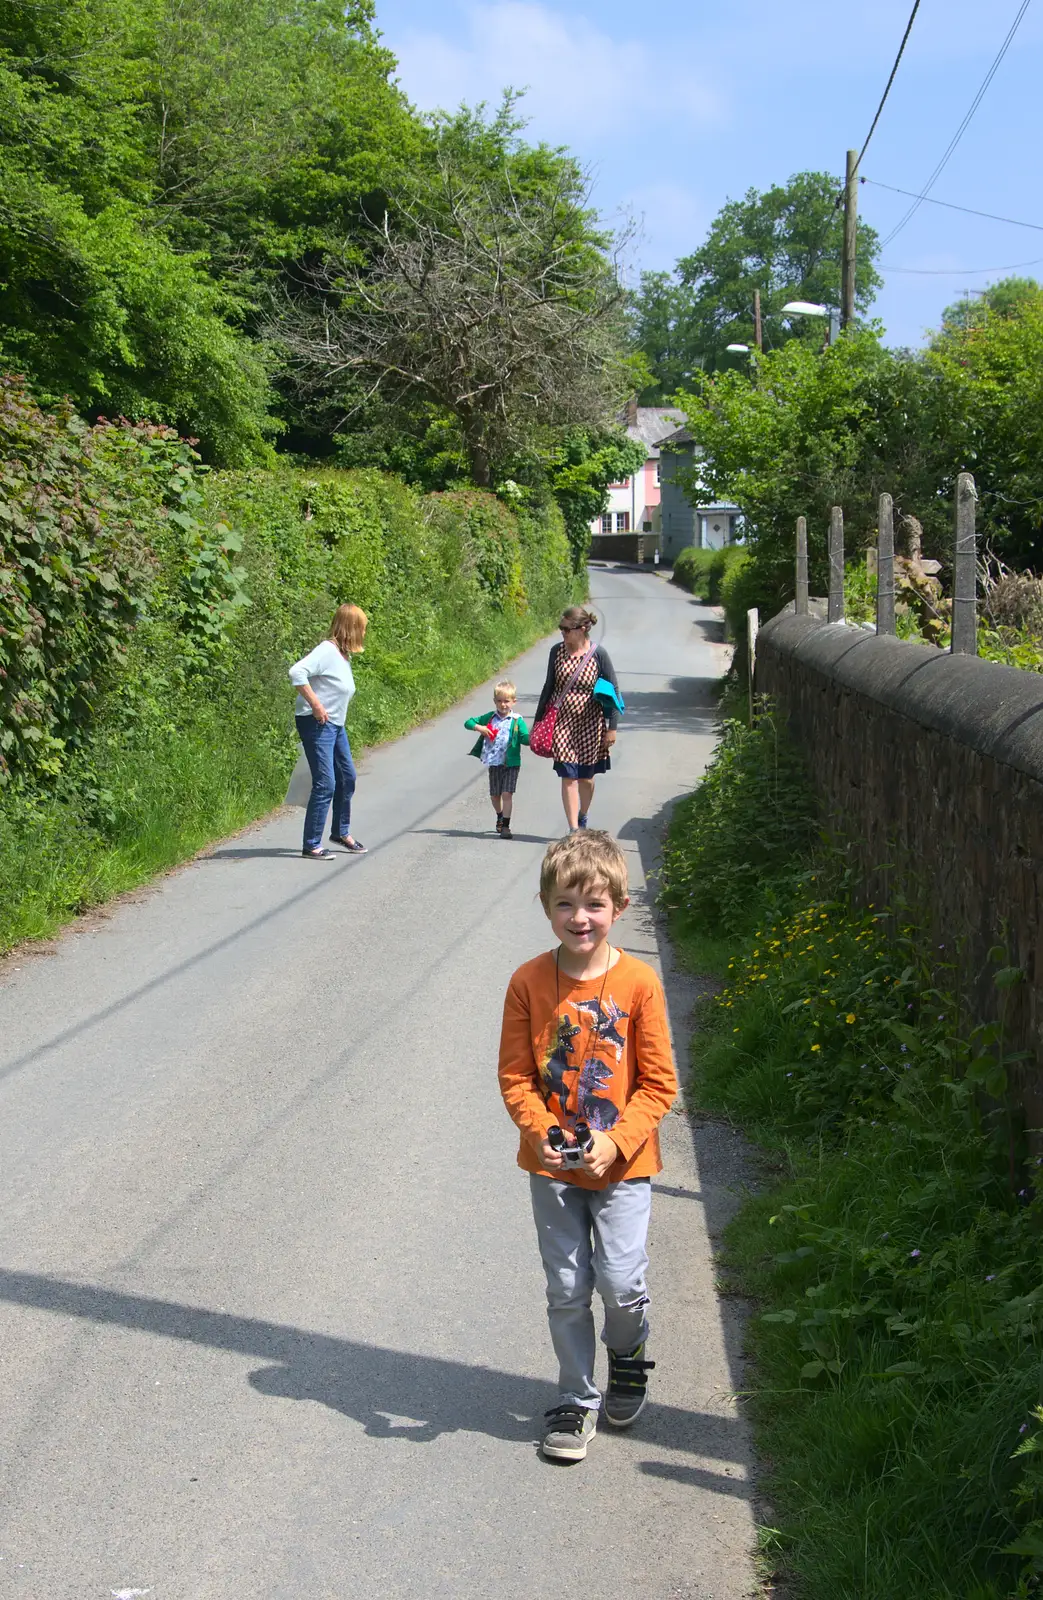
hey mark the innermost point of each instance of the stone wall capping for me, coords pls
(994, 710)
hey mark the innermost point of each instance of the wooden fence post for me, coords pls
(885, 567)
(836, 566)
(965, 571)
(800, 603)
(753, 622)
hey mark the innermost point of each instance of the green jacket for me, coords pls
(518, 736)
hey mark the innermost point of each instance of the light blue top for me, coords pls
(330, 676)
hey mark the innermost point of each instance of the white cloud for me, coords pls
(582, 83)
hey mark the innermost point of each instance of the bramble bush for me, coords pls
(898, 1351)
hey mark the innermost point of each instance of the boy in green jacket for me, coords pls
(501, 735)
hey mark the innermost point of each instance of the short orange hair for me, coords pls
(348, 629)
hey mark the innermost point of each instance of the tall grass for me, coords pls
(156, 790)
(897, 1353)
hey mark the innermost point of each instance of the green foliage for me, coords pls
(751, 820)
(786, 242)
(579, 472)
(80, 514)
(898, 1349)
(989, 374)
(149, 610)
(703, 571)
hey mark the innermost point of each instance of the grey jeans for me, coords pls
(592, 1238)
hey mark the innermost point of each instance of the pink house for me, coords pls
(633, 506)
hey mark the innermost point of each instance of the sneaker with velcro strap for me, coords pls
(627, 1386)
(567, 1430)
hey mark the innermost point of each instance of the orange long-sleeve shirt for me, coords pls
(596, 1048)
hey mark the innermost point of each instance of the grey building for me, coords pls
(706, 523)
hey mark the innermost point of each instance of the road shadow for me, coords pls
(712, 629)
(722, 1161)
(487, 835)
(685, 705)
(392, 1394)
(252, 855)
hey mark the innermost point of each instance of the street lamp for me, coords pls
(808, 308)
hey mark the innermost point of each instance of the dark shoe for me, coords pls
(348, 844)
(567, 1430)
(505, 830)
(499, 823)
(317, 855)
(582, 819)
(627, 1386)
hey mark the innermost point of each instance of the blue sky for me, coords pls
(677, 107)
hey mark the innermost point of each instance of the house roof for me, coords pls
(679, 436)
(651, 423)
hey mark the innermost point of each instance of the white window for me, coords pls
(606, 522)
(622, 521)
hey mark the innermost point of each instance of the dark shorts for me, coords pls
(503, 780)
(578, 769)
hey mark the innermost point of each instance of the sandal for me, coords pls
(318, 855)
(349, 844)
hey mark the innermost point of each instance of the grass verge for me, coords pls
(159, 790)
(897, 1358)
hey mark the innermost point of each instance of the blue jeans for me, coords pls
(332, 778)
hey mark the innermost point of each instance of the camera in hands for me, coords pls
(571, 1154)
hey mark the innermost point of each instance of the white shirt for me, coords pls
(494, 751)
(331, 679)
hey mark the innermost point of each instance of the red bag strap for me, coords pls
(556, 701)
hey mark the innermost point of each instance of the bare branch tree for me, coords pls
(494, 299)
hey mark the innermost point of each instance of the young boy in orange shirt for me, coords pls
(585, 1045)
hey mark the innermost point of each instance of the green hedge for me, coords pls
(703, 571)
(149, 610)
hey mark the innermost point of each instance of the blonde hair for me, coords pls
(505, 687)
(587, 857)
(348, 629)
(578, 617)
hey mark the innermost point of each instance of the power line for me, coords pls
(961, 130)
(950, 206)
(961, 272)
(890, 81)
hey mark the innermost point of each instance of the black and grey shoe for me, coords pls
(505, 831)
(567, 1430)
(627, 1386)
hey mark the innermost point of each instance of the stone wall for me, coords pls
(931, 767)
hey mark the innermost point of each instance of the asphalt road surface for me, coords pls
(271, 1312)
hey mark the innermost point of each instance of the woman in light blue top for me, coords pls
(325, 685)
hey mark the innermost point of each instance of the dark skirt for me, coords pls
(580, 769)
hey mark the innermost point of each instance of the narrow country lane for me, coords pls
(271, 1311)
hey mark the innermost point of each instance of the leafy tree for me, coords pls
(579, 472)
(489, 295)
(664, 331)
(988, 373)
(786, 242)
(1007, 298)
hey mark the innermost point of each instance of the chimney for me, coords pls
(631, 412)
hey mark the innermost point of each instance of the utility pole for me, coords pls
(847, 278)
(757, 335)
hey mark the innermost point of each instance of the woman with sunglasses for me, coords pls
(583, 733)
